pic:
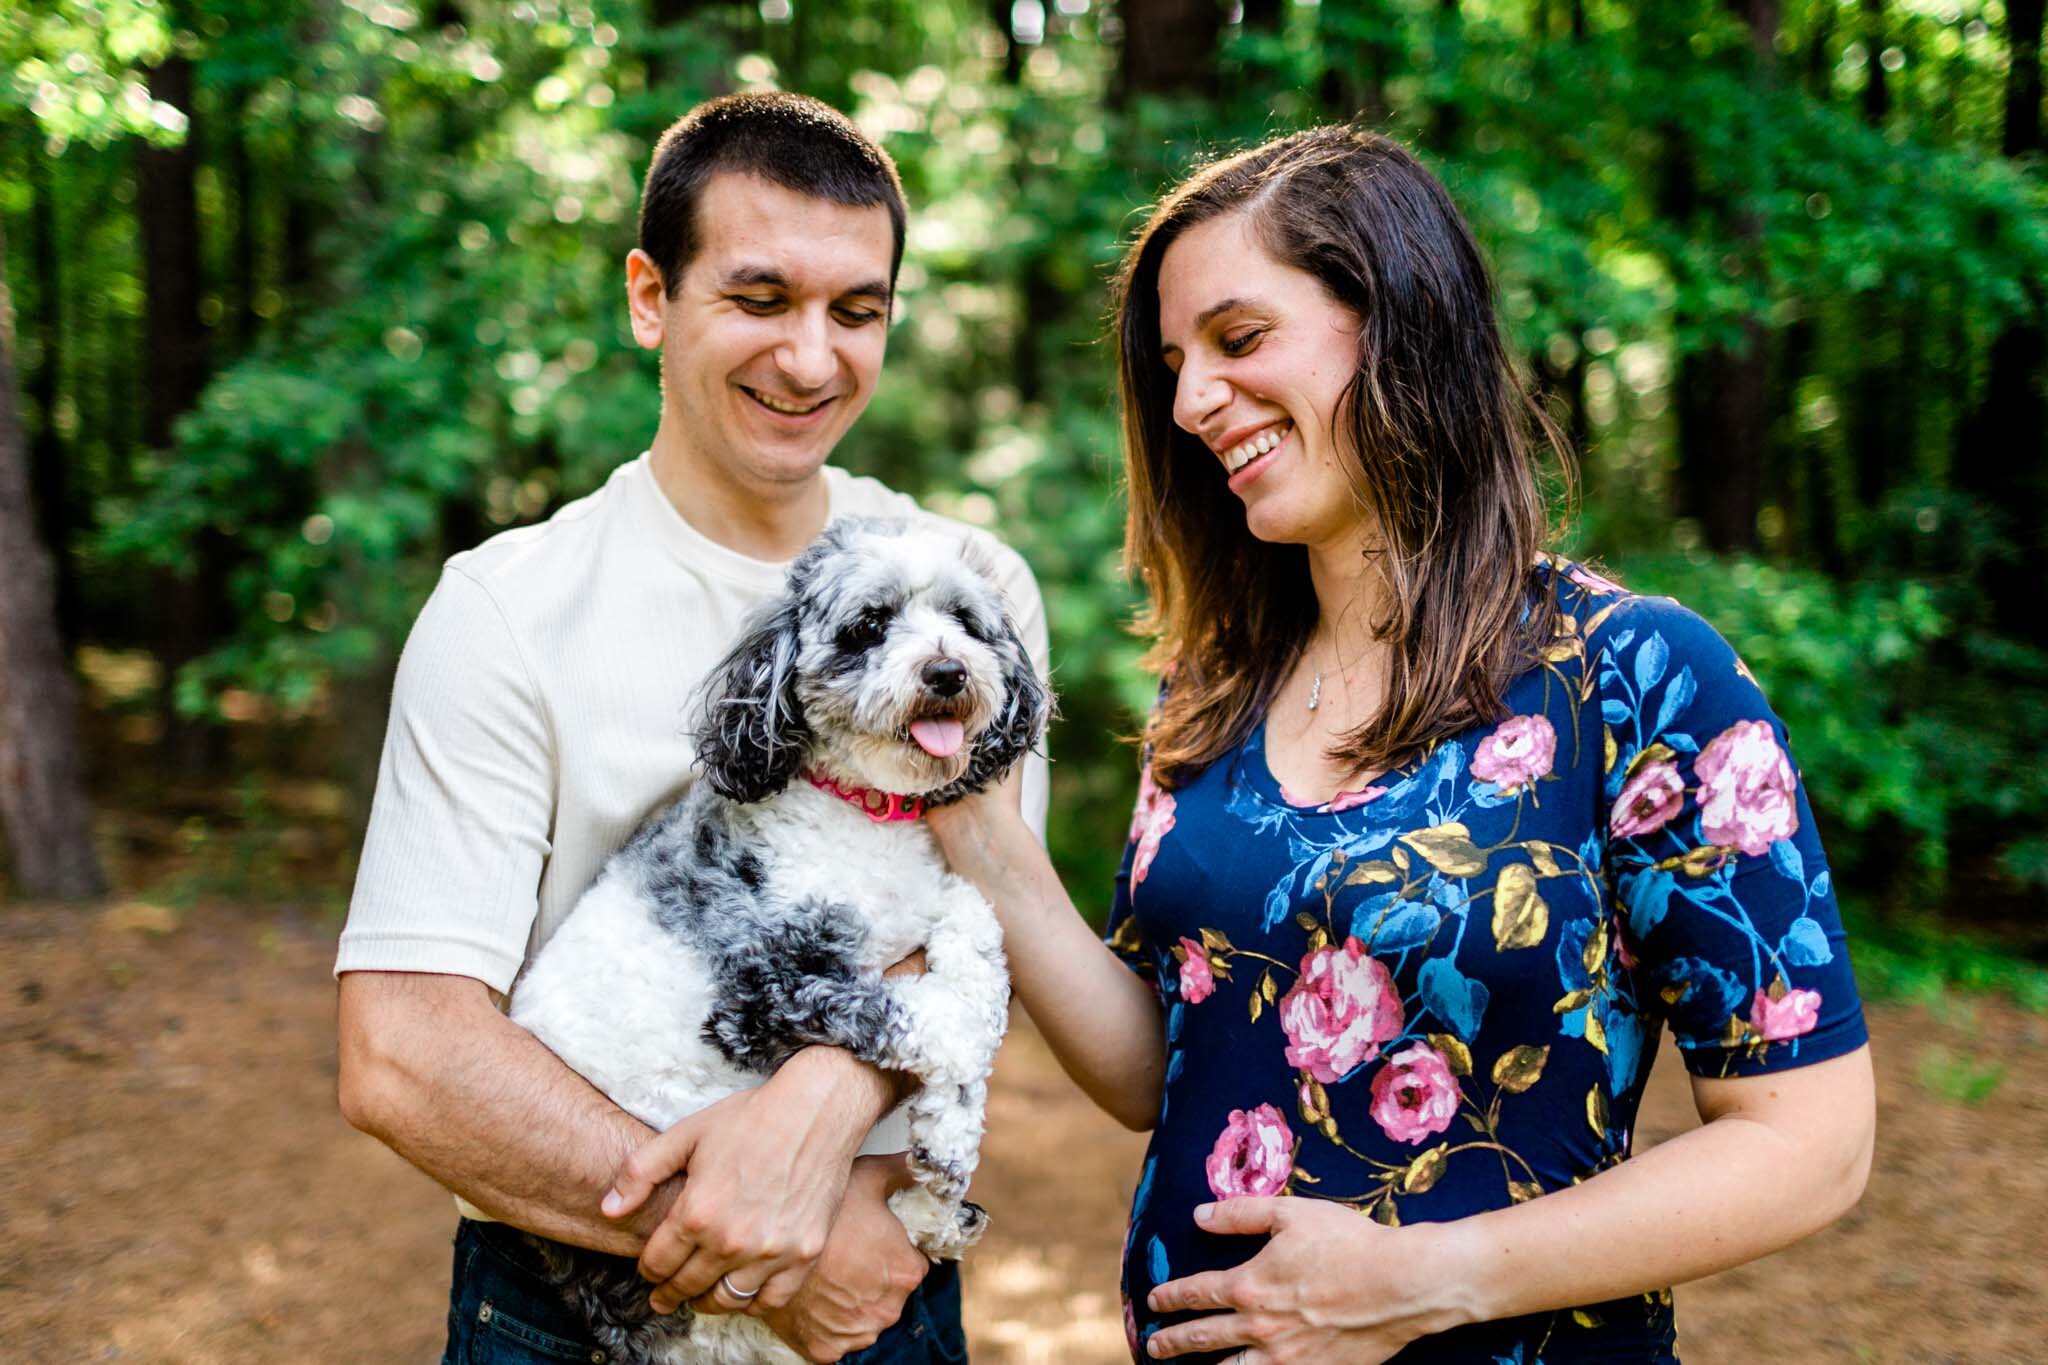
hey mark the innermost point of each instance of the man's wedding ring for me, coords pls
(726, 1281)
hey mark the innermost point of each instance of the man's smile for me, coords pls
(783, 406)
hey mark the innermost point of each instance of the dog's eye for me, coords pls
(866, 630)
(973, 625)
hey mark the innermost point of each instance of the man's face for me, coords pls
(772, 342)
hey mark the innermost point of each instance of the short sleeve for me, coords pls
(1730, 914)
(460, 827)
(1151, 821)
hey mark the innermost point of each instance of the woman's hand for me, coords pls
(982, 834)
(1331, 1286)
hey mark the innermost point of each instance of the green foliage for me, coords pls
(1960, 1080)
(1914, 733)
(415, 218)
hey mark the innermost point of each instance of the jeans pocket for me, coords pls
(499, 1338)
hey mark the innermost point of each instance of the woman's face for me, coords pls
(1261, 357)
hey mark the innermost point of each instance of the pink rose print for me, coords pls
(1648, 802)
(1586, 578)
(1344, 801)
(1254, 1155)
(1131, 1328)
(1415, 1095)
(1149, 824)
(1795, 1013)
(1747, 792)
(1516, 754)
(1339, 1010)
(1197, 982)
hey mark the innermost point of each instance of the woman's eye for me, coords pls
(1239, 343)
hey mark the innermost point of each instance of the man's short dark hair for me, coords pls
(792, 140)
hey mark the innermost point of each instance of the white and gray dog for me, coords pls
(756, 915)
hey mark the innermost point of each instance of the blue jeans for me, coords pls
(502, 1311)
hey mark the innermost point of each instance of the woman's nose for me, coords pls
(1197, 393)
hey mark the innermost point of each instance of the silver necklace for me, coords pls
(1315, 689)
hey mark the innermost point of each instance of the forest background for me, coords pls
(308, 296)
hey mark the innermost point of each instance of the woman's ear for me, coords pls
(752, 739)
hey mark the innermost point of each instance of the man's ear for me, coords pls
(646, 297)
(752, 738)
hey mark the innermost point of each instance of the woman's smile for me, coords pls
(1247, 461)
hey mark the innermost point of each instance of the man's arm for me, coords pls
(432, 1069)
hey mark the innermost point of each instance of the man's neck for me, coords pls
(772, 521)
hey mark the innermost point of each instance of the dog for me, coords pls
(755, 915)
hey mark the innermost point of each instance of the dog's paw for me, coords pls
(942, 1229)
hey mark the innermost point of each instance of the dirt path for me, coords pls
(178, 1188)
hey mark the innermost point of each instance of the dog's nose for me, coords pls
(945, 676)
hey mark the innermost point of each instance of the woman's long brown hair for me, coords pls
(1443, 433)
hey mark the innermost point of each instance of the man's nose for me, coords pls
(945, 677)
(806, 355)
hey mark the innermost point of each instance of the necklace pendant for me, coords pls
(1315, 690)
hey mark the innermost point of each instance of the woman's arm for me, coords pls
(1780, 1156)
(1101, 1021)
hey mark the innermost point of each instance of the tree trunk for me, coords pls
(243, 252)
(2003, 461)
(1169, 47)
(1013, 56)
(177, 356)
(1874, 435)
(1447, 127)
(1264, 16)
(42, 793)
(50, 454)
(1722, 397)
(1877, 95)
(1355, 72)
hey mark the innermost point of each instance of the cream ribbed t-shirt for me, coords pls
(542, 710)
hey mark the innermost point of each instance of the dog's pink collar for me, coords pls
(879, 806)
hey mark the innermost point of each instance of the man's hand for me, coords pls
(764, 1171)
(868, 1269)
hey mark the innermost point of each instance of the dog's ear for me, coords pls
(752, 738)
(1018, 725)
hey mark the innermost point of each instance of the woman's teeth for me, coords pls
(1258, 445)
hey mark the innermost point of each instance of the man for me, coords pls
(540, 712)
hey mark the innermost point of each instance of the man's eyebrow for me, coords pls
(746, 276)
(768, 277)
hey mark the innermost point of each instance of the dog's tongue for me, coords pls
(939, 738)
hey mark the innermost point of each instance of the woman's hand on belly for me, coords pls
(1330, 1286)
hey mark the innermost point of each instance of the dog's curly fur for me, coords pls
(755, 916)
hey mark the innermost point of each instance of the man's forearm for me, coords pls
(432, 1069)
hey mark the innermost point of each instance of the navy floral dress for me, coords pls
(1441, 994)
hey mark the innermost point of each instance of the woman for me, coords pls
(1430, 844)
